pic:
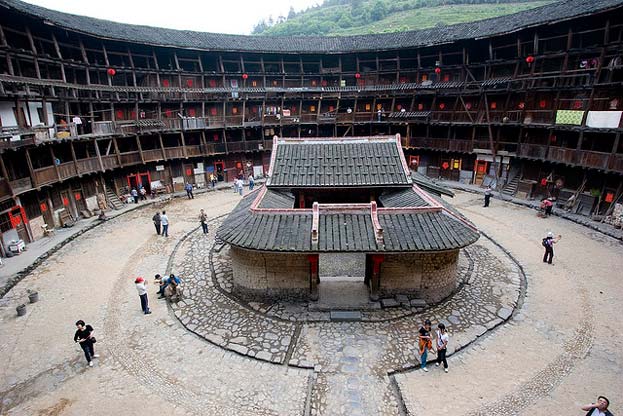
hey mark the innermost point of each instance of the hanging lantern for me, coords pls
(544, 182)
(521, 105)
(468, 106)
(442, 106)
(111, 72)
(494, 105)
(189, 83)
(542, 103)
(357, 75)
(529, 59)
(445, 165)
(165, 83)
(437, 70)
(245, 76)
(420, 107)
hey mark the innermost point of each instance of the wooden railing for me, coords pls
(21, 185)
(88, 165)
(193, 150)
(533, 151)
(592, 159)
(560, 154)
(130, 158)
(152, 155)
(174, 152)
(110, 162)
(616, 163)
(67, 170)
(5, 190)
(44, 176)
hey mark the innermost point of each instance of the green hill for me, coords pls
(353, 17)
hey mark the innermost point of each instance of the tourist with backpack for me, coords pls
(548, 242)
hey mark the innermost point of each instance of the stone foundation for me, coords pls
(260, 275)
(429, 276)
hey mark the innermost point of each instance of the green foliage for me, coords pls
(350, 17)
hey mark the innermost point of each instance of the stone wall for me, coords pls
(429, 276)
(258, 275)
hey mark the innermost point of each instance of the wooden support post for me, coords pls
(140, 148)
(114, 142)
(5, 174)
(184, 145)
(314, 277)
(99, 155)
(3, 41)
(73, 157)
(164, 153)
(31, 170)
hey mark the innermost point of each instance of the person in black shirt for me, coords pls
(425, 343)
(84, 336)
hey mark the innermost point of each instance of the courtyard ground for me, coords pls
(560, 349)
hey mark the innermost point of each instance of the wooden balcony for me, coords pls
(591, 159)
(67, 170)
(532, 151)
(130, 158)
(21, 185)
(616, 163)
(233, 121)
(449, 145)
(560, 154)
(5, 189)
(194, 123)
(193, 150)
(89, 165)
(44, 176)
(110, 162)
(174, 152)
(152, 155)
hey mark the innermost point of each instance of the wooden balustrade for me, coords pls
(193, 150)
(44, 176)
(110, 162)
(560, 154)
(67, 170)
(88, 165)
(533, 151)
(233, 121)
(174, 152)
(130, 158)
(103, 127)
(616, 163)
(152, 155)
(592, 159)
(21, 185)
(235, 146)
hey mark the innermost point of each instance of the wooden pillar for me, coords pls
(375, 276)
(99, 156)
(314, 278)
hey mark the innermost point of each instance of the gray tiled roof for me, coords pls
(344, 232)
(402, 198)
(316, 44)
(348, 164)
(429, 185)
(277, 199)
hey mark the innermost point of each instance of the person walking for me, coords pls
(442, 346)
(251, 182)
(143, 193)
(425, 343)
(213, 180)
(134, 194)
(189, 190)
(156, 220)
(239, 185)
(548, 242)
(203, 219)
(487, 196)
(84, 336)
(598, 409)
(142, 293)
(164, 220)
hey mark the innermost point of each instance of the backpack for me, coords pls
(545, 243)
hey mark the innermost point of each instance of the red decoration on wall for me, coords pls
(521, 105)
(165, 83)
(215, 137)
(420, 107)
(245, 76)
(542, 103)
(212, 83)
(544, 182)
(403, 80)
(111, 72)
(78, 196)
(65, 201)
(132, 115)
(238, 165)
(529, 59)
(331, 108)
(192, 112)
(609, 197)
(446, 78)
(168, 113)
(494, 105)
(314, 82)
(323, 83)
(213, 111)
(445, 165)
(577, 105)
(437, 70)
(357, 75)
(398, 107)
(189, 172)
(442, 106)
(119, 114)
(15, 221)
(189, 83)
(468, 106)
(43, 207)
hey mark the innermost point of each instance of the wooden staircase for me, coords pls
(113, 200)
(510, 188)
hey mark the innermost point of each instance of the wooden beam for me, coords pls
(140, 148)
(31, 170)
(58, 173)
(73, 156)
(99, 155)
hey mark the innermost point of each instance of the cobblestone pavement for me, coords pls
(559, 350)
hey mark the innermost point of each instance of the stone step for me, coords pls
(345, 316)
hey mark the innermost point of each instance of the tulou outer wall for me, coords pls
(429, 276)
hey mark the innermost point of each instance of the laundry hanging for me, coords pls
(603, 119)
(573, 117)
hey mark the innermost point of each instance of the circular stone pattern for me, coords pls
(298, 335)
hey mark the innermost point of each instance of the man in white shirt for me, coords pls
(164, 221)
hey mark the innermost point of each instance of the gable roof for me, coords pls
(338, 162)
(187, 39)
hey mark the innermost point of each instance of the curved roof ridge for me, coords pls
(187, 39)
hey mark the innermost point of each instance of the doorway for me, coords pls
(342, 281)
(219, 169)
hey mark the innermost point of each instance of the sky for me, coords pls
(220, 16)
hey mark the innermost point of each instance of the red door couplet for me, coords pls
(313, 276)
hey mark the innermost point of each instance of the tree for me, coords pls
(379, 10)
(291, 13)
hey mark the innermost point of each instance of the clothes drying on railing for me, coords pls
(604, 119)
(570, 117)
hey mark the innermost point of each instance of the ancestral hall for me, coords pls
(344, 195)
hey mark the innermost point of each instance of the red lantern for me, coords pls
(111, 72)
(542, 103)
(494, 105)
(609, 197)
(43, 206)
(521, 105)
(323, 83)
(529, 59)
(189, 172)
(212, 83)
(189, 83)
(420, 107)
(165, 83)
(468, 106)
(445, 165)
(119, 114)
(357, 75)
(65, 201)
(78, 196)
(245, 76)
(442, 106)
(543, 182)
(215, 137)
(437, 70)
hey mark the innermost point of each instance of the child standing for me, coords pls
(442, 346)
